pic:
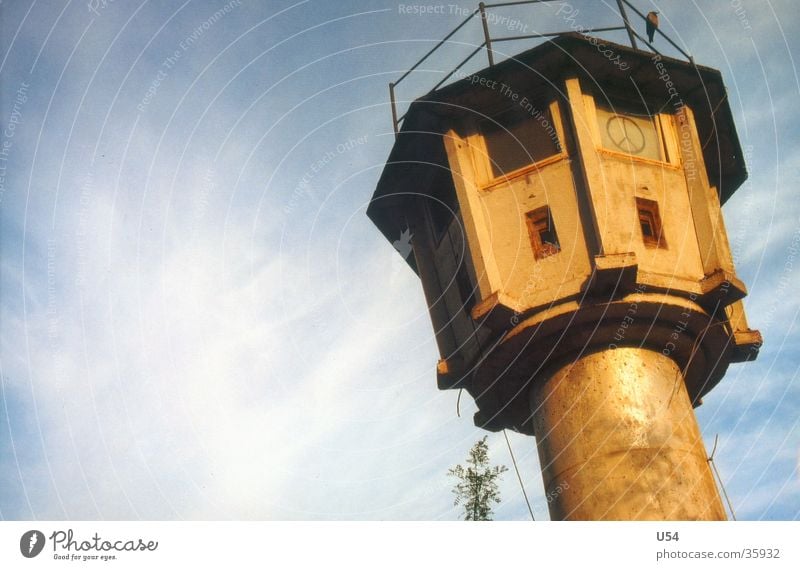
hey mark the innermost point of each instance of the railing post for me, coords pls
(627, 24)
(487, 38)
(394, 108)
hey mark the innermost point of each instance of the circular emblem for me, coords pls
(31, 543)
(625, 134)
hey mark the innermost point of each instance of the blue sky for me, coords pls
(188, 332)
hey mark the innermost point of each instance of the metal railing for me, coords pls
(481, 11)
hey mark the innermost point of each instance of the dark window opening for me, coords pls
(518, 138)
(542, 231)
(650, 223)
(442, 210)
(465, 288)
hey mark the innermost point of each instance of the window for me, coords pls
(650, 223)
(442, 211)
(542, 231)
(519, 137)
(630, 131)
(465, 288)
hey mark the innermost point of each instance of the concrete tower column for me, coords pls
(618, 440)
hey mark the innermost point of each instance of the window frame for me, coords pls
(664, 124)
(533, 221)
(481, 158)
(651, 210)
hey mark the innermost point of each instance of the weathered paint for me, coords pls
(618, 440)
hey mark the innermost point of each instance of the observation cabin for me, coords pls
(564, 207)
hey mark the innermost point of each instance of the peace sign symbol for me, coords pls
(625, 134)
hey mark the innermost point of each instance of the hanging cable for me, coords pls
(519, 477)
(719, 478)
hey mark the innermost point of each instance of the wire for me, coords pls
(519, 477)
(719, 477)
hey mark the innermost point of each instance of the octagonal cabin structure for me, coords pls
(565, 214)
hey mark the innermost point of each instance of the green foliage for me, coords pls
(477, 488)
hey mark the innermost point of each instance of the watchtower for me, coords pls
(565, 212)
